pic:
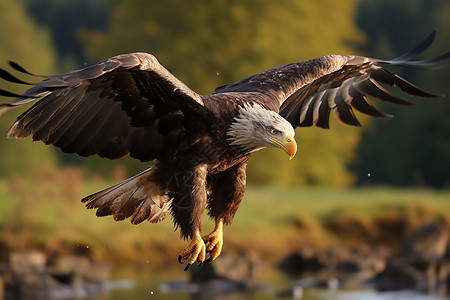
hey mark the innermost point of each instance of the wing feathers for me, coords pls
(56, 120)
(360, 103)
(384, 76)
(8, 77)
(306, 110)
(432, 63)
(9, 94)
(372, 88)
(348, 83)
(95, 141)
(418, 49)
(298, 88)
(323, 112)
(17, 67)
(110, 109)
(86, 129)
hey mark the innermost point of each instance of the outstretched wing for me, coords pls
(127, 104)
(307, 92)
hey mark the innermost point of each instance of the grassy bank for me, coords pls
(46, 214)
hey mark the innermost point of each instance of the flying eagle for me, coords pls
(131, 105)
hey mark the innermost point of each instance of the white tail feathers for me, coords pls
(138, 198)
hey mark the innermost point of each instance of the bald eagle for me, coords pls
(200, 144)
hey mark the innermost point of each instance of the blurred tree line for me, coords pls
(209, 43)
(414, 147)
(24, 41)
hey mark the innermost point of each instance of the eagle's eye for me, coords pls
(274, 131)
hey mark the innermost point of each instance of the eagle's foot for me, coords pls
(214, 242)
(195, 251)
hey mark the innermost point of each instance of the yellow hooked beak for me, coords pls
(289, 146)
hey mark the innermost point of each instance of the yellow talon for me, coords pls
(214, 241)
(195, 251)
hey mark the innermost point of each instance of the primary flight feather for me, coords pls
(200, 144)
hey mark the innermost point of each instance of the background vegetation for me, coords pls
(414, 147)
(46, 214)
(209, 43)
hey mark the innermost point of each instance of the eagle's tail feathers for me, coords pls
(138, 198)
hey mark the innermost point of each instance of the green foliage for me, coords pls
(29, 45)
(64, 19)
(210, 43)
(413, 148)
(46, 213)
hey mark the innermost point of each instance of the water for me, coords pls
(148, 284)
(308, 294)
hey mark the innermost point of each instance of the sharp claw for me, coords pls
(208, 261)
(200, 263)
(187, 267)
(180, 259)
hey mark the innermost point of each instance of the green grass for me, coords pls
(47, 214)
(303, 216)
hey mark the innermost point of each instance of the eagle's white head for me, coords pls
(255, 128)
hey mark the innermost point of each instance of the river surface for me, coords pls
(309, 294)
(147, 284)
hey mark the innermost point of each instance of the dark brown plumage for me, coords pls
(131, 105)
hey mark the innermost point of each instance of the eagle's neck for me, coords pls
(240, 137)
(244, 132)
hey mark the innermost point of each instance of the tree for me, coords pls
(210, 43)
(23, 42)
(413, 148)
(64, 19)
